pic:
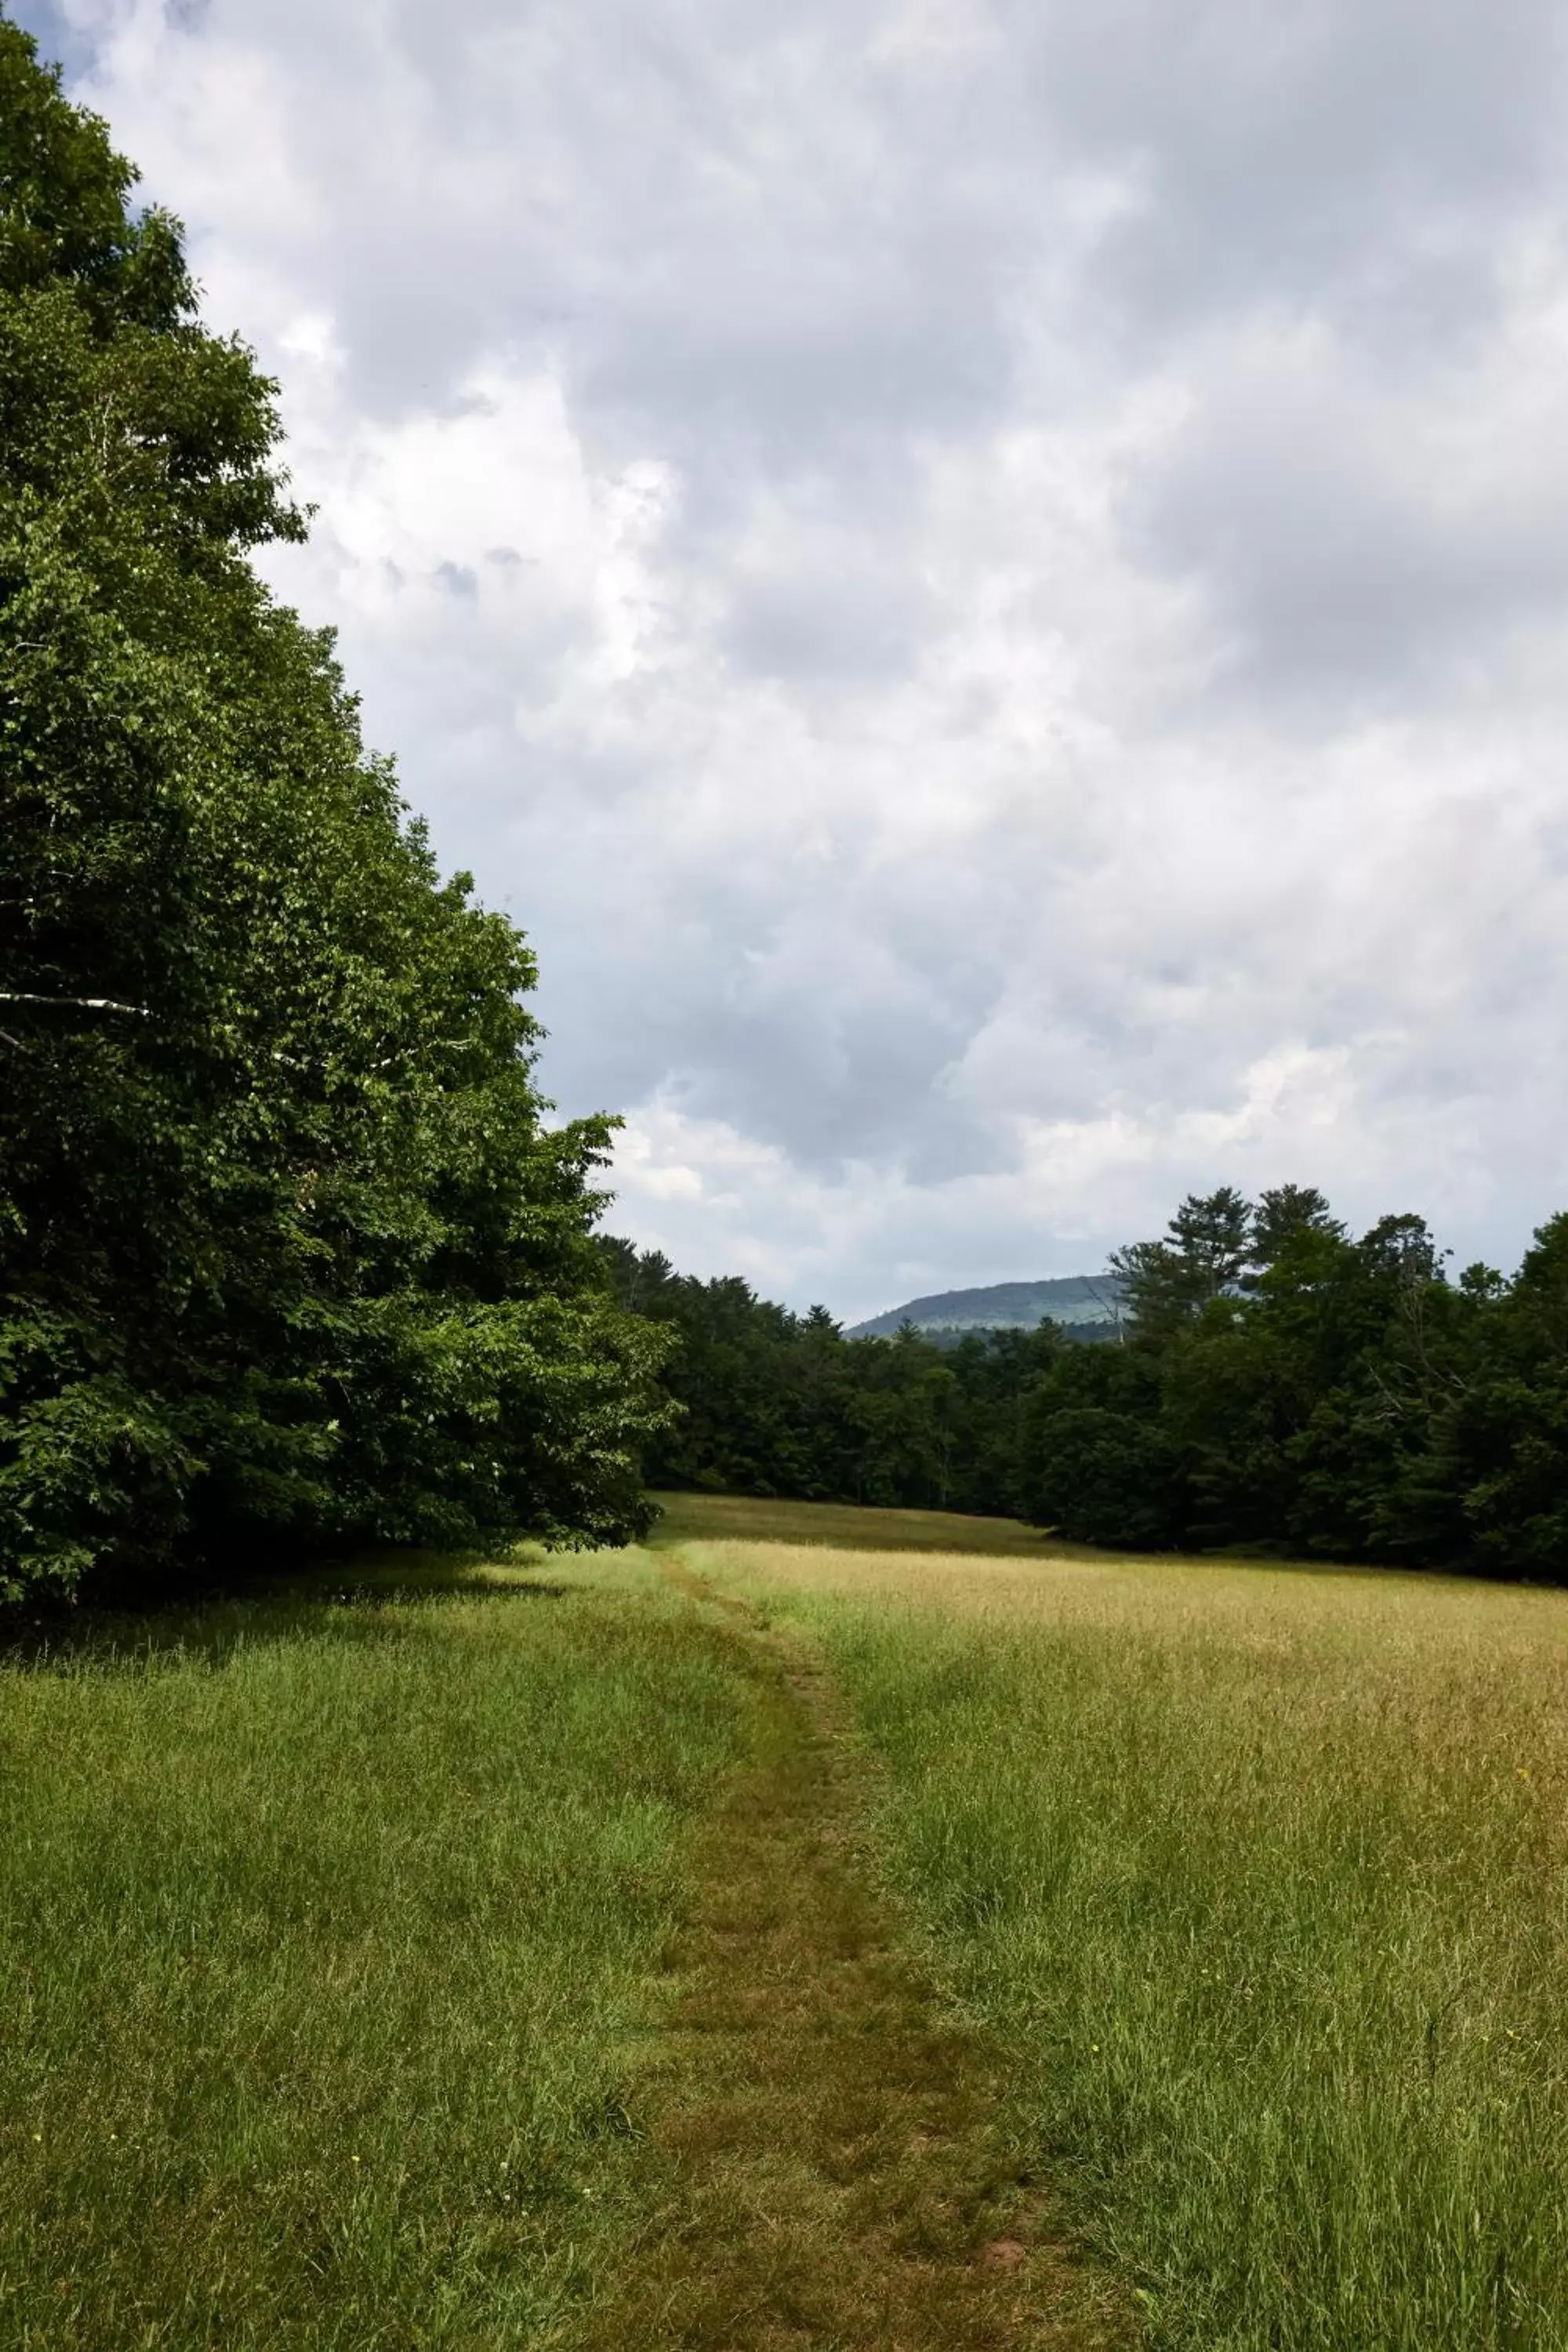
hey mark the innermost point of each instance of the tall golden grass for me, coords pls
(1262, 1877)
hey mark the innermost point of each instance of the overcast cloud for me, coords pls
(989, 582)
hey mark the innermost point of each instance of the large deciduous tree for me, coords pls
(287, 1249)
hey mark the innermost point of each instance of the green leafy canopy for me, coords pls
(287, 1248)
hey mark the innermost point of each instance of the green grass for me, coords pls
(328, 1924)
(324, 1932)
(1261, 1880)
(691, 1518)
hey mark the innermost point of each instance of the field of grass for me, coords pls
(324, 1930)
(1261, 1879)
(846, 1527)
(337, 2009)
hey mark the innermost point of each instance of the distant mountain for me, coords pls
(1086, 1303)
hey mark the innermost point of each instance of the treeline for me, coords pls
(1283, 1387)
(288, 1255)
(771, 1403)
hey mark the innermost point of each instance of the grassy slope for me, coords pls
(689, 1518)
(322, 1928)
(1260, 1876)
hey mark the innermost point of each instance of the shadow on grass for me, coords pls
(353, 1600)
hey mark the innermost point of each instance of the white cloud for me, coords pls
(987, 582)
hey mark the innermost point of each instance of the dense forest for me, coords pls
(287, 1249)
(1282, 1388)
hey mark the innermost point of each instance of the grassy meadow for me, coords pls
(1260, 1877)
(325, 1923)
(335, 1924)
(849, 1527)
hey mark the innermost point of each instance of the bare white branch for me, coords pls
(434, 1046)
(78, 1004)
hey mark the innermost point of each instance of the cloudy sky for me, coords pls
(987, 578)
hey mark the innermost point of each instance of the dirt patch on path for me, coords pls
(833, 2179)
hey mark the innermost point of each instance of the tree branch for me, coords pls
(435, 1045)
(78, 1004)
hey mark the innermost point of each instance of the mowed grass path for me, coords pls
(325, 1933)
(1260, 1877)
(826, 2166)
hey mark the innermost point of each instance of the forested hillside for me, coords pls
(1087, 1305)
(1281, 1386)
(285, 1248)
(771, 1403)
